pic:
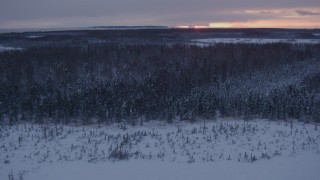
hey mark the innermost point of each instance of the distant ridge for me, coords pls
(19, 30)
(129, 27)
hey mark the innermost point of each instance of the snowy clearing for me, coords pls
(223, 149)
(211, 41)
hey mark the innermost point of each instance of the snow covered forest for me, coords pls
(75, 78)
(160, 104)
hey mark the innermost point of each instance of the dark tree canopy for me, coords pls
(76, 79)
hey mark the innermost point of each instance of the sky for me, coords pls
(173, 13)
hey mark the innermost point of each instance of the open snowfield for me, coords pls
(212, 149)
(281, 168)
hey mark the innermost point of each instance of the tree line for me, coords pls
(113, 82)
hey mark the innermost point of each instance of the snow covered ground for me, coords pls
(212, 41)
(211, 149)
(281, 168)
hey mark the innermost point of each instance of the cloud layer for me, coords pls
(79, 13)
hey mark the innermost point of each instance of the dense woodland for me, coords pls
(106, 82)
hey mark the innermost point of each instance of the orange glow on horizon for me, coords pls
(201, 27)
(311, 22)
(183, 27)
(280, 23)
(282, 18)
(220, 25)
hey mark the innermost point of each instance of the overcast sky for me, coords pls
(216, 13)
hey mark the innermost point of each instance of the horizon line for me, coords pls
(134, 27)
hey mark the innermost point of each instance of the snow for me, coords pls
(34, 36)
(211, 41)
(3, 48)
(221, 149)
(302, 167)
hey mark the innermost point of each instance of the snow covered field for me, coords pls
(211, 41)
(212, 149)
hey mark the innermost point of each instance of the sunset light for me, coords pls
(267, 24)
(269, 18)
(183, 27)
(220, 25)
(200, 27)
(277, 18)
